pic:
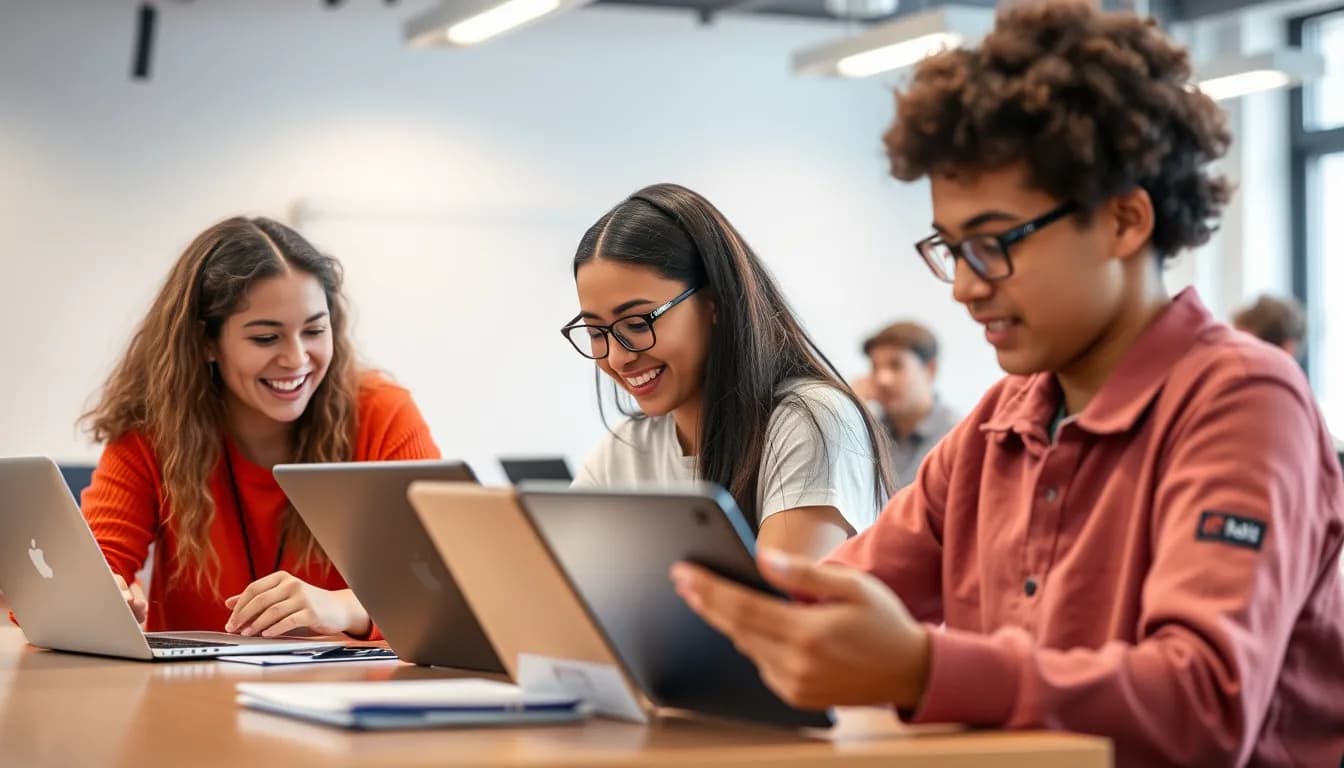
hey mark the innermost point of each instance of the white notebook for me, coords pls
(411, 703)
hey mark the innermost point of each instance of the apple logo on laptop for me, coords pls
(422, 572)
(39, 560)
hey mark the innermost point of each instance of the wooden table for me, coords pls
(59, 709)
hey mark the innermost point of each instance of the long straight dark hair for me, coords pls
(756, 345)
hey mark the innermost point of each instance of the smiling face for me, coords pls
(273, 353)
(1067, 285)
(670, 374)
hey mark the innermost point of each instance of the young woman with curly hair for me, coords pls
(1137, 532)
(242, 362)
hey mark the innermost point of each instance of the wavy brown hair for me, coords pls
(1094, 103)
(165, 389)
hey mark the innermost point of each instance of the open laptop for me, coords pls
(519, 469)
(516, 590)
(616, 547)
(62, 590)
(359, 514)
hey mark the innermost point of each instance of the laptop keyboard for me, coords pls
(169, 643)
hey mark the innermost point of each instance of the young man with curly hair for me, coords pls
(1137, 532)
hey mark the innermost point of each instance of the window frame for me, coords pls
(1307, 146)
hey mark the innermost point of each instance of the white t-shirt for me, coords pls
(826, 463)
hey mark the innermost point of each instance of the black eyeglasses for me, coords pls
(987, 255)
(634, 332)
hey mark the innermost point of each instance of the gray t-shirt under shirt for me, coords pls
(828, 463)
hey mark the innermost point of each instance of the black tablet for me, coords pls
(616, 547)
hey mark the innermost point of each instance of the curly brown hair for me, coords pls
(1093, 103)
(164, 389)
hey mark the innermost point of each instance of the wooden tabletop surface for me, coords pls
(63, 709)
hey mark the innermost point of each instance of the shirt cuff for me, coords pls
(972, 679)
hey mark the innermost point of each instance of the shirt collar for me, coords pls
(1126, 393)
(926, 426)
(933, 421)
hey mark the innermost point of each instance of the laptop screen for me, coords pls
(518, 470)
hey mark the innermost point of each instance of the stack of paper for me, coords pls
(411, 703)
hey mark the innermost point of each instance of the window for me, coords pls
(1317, 115)
(1328, 340)
(1324, 105)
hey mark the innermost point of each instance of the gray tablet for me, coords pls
(360, 515)
(616, 548)
(522, 469)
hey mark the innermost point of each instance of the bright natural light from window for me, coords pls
(1325, 98)
(1329, 260)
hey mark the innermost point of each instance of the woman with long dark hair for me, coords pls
(684, 318)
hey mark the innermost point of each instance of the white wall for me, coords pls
(454, 184)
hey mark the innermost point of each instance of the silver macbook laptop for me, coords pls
(62, 591)
(359, 513)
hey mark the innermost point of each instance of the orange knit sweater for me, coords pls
(123, 508)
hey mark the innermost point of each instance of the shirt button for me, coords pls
(1030, 587)
(1051, 494)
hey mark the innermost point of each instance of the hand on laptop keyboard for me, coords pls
(283, 604)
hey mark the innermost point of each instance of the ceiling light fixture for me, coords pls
(142, 47)
(1230, 77)
(895, 44)
(468, 22)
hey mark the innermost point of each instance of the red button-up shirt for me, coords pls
(1165, 572)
